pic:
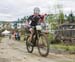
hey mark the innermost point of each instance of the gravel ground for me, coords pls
(15, 51)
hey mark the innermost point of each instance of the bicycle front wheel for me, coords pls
(28, 46)
(43, 45)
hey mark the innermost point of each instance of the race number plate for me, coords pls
(38, 27)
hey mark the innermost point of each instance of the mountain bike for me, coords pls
(39, 40)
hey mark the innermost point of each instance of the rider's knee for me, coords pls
(31, 30)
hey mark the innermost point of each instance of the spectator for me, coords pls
(17, 36)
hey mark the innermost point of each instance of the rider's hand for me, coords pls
(30, 22)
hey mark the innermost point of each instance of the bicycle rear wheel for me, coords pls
(28, 46)
(43, 45)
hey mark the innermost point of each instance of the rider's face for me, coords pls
(36, 14)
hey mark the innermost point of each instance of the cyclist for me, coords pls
(34, 19)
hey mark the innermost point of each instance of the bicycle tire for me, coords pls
(30, 50)
(47, 42)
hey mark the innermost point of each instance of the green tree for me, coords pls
(51, 19)
(70, 18)
(61, 18)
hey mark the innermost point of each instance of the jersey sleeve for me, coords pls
(42, 18)
(29, 18)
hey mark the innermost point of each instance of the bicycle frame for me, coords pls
(36, 34)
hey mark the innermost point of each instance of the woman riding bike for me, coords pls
(34, 20)
(37, 37)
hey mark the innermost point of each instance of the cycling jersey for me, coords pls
(34, 19)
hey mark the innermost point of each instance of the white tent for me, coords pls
(6, 32)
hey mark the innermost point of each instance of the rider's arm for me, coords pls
(29, 19)
(41, 20)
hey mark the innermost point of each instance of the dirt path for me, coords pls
(15, 51)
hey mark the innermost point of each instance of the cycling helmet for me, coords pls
(36, 10)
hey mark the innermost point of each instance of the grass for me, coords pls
(60, 46)
(65, 48)
(50, 36)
